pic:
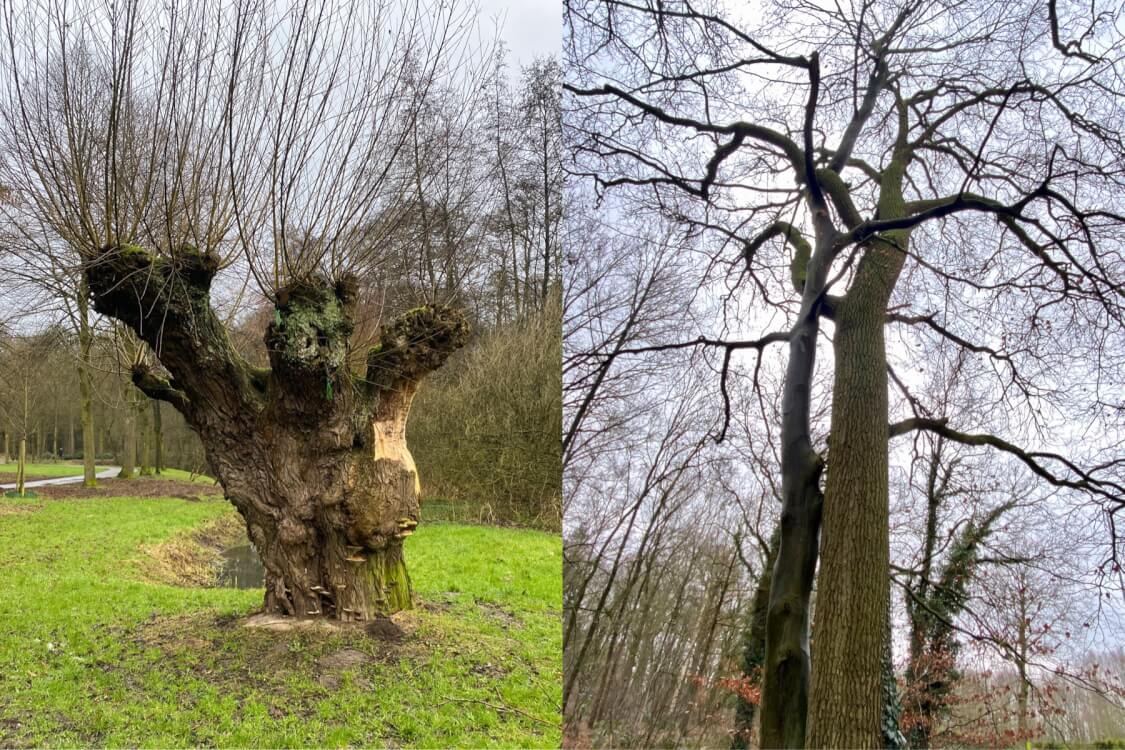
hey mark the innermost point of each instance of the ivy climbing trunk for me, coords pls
(85, 385)
(312, 454)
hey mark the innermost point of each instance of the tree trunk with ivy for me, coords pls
(312, 455)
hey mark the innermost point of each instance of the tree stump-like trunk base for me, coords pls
(363, 586)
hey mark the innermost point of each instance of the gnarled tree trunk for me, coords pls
(311, 454)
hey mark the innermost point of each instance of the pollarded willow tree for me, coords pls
(948, 169)
(180, 153)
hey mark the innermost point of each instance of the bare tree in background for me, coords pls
(943, 167)
(171, 146)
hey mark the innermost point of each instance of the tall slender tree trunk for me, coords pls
(144, 435)
(546, 149)
(70, 447)
(754, 647)
(785, 682)
(1021, 668)
(891, 725)
(129, 453)
(21, 468)
(85, 386)
(157, 439)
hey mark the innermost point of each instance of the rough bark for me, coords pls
(312, 455)
(855, 556)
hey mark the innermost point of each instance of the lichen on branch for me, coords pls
(414, 344)
(312, 322)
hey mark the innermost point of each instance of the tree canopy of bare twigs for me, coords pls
(868, 177)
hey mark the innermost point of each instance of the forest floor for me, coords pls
(96, 652)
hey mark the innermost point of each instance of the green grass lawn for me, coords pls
(91, 655)
(43, 470)
(183, 476)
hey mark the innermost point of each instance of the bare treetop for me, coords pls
(269, 135)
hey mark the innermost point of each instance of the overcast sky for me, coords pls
(528, 27)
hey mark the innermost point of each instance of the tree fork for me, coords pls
(311, 454)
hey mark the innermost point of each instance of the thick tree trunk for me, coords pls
(845, 706)
(85, 387)
(330, 548)
(311, 454)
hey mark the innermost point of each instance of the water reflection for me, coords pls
(242, 568)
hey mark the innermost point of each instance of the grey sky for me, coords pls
(528, 27)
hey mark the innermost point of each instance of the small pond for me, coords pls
(242, 568)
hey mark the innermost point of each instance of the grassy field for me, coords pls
(183, 476)
(75, 470)
(92, 655)
(43, 470)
